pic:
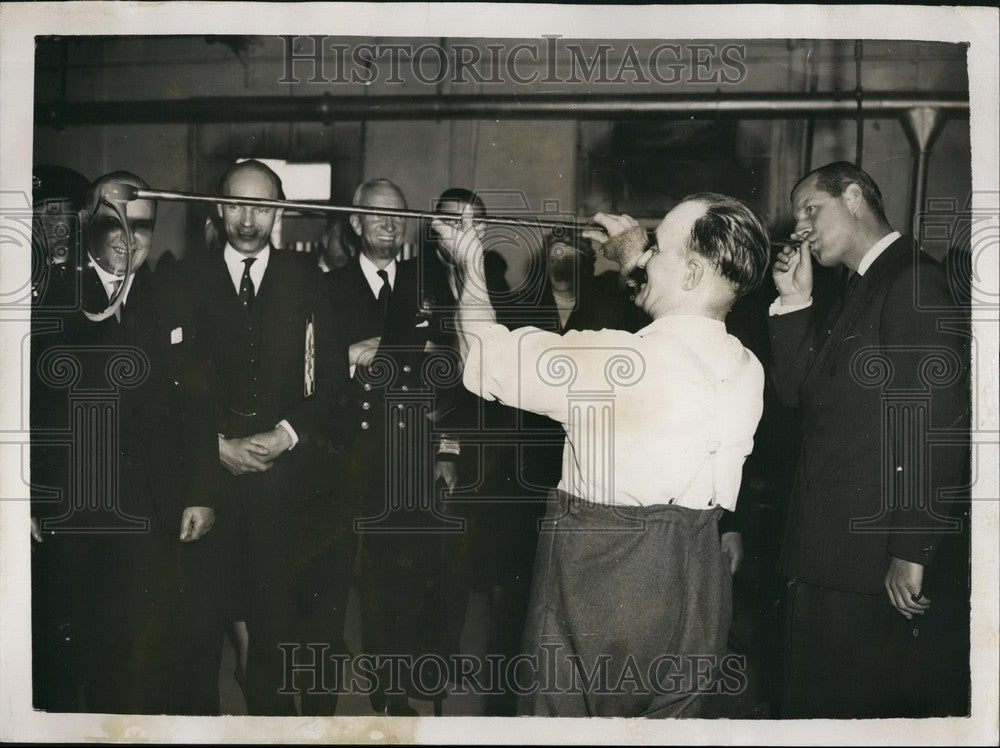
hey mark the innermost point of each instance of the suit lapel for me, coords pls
(361, 284)
(403, 306)
(270, 278)
(94, 297)
(367, 303)
(130, 313)
(263, 292)
(221, 291)
(95, 300)
(405, 290)
(868, 286)
(872, 281)
(273, 293)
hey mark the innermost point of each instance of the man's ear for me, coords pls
(218, 209)
(695, 269)
(277, 214)
(355, 220)
(853, 198)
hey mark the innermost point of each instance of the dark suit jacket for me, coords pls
(258, 373)
(164, 438)
(874, 383)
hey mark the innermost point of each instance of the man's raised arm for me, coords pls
(475, 312)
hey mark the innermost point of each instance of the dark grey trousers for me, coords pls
(629, 614)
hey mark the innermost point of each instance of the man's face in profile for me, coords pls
(824, 221)
(666, 262)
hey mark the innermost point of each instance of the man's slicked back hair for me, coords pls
(836, 177)
(733, 238)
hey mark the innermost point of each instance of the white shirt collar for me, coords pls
(686, 324)
(878, 248)
(370, 271)
(234, 263)
(109, 279)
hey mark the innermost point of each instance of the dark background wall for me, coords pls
(572, 165)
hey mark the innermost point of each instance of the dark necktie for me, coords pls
(849, 288)
(246, 285)
(115, 285)
(852, 282)
(840, 300)
(384, 293)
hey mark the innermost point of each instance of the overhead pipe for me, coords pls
(922, 114)
(328, 108)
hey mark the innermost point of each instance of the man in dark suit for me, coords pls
(398, 459)
(879, 379)
(265, 317)
(117, 508)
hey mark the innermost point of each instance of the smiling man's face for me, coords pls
(248, 229)
(107, 241)
(381, 236)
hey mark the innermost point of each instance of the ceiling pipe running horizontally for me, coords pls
(922, 114)
(329, 109)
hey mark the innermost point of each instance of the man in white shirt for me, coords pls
(631, 600)
(874, 378)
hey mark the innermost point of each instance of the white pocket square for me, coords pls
(176, 335)
(425, 323)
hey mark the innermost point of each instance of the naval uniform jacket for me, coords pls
(415, 362)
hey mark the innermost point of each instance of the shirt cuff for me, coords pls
(291, 432)
(776, 309)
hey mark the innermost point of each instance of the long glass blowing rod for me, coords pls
(127, 193)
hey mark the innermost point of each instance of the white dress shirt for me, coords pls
(370, 270)
(878, 248)
(665, 415)
(108, 280)
(871, 255)
(234, 264)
